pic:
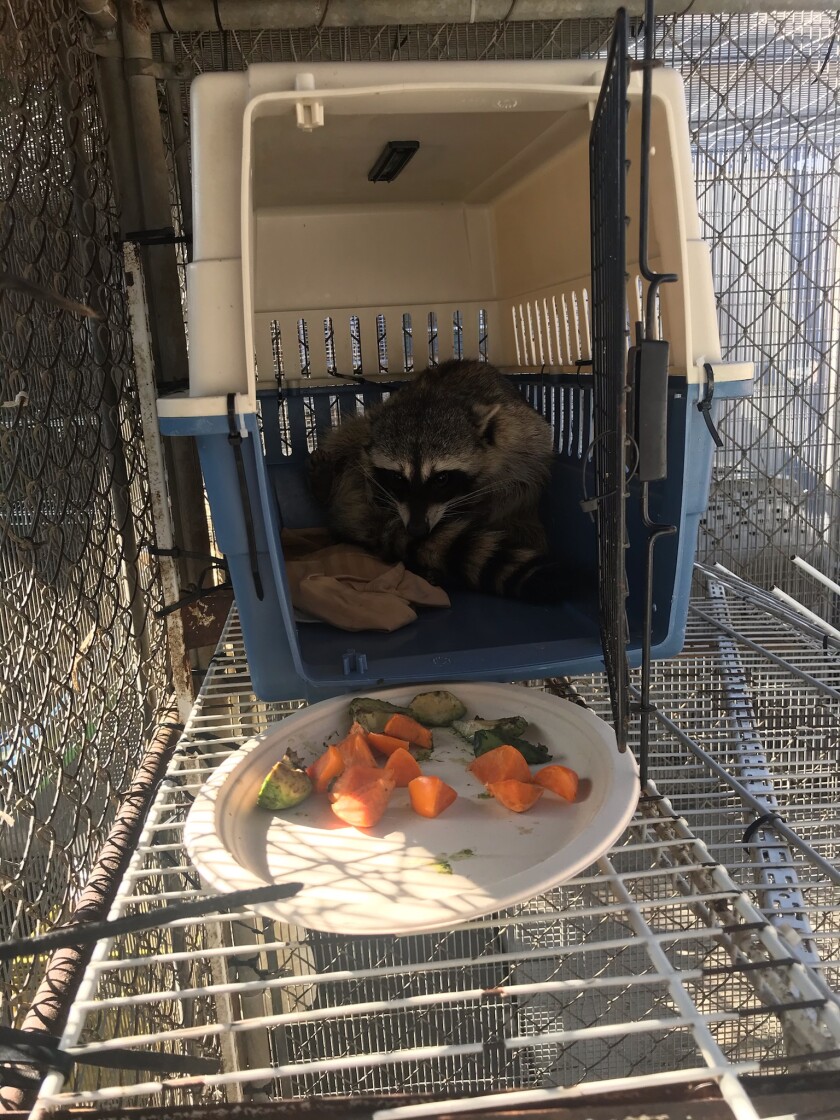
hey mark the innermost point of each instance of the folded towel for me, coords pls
(349, 588)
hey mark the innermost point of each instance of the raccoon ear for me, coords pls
(484, 416)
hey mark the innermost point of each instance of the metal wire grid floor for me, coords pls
(657, 965)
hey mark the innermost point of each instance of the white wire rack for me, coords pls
(689, 953)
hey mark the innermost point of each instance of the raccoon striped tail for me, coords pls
(489, 561)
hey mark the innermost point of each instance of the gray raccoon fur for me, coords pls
(446, 476)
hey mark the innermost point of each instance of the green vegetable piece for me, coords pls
(442, 866)
(284, 787)
(436, 709)
(534, 753)
(465, 853)
(507, 727)
(373, 714)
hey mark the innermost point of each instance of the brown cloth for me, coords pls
(347, 587)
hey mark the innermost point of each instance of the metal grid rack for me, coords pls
(657, 966)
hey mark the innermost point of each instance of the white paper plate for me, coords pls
(395, 878)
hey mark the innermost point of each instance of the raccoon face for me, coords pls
(422, 493)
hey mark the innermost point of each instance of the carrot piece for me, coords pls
(559, 779)
(499, 765)
(355, 749)
(403, 727)
(387, 744)
(516, 795)
(403, 766)
(352, 778)
(326, 767)
(430, 795)
(361, 794)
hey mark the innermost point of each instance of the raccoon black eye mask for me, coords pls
(446, 476)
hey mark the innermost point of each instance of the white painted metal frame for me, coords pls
(658, 965)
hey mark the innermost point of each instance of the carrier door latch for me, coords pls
(309, 113)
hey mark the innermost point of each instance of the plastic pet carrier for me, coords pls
(354, 223)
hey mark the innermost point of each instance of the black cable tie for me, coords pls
(36, 1048)
(166, 235)
(704, 406)
(164, 17)
(759, 822)
(192, 597)
(87, 933)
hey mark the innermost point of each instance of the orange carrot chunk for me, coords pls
(361, 794)
(387, 744)
(559, 779)
(500, 764)
(355, 749)
(430, 795)
(403, 766)
(326, 767)
(403, 727)
(516, 795)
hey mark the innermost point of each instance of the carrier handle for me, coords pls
(704, 405)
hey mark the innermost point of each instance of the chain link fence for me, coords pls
(82, 657)
(762, 93)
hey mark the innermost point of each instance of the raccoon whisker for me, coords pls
(473, 495)
(389, 502)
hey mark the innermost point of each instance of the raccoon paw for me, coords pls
(321, 476)
(554, 582)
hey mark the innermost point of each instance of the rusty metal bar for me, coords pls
(64, 971)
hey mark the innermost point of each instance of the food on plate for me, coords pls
(355, 749)
(404, 767)
(404, 727)
(515, 795)
(361, 794)
(559, 779)
(359, 788)
(436, 709)
(387, 744)
(430, 795)
(508, 725)
(533, 753)
(500, 764)
(285, 786)
(325, 768)
(373, 714)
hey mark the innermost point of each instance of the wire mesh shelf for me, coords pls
(670, 960)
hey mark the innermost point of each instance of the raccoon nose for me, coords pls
(417, 526)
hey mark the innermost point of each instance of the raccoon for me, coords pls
(446, 476)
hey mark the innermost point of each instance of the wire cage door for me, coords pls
(608, 176)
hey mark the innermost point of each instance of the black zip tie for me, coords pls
(165, 235)
(744, 927)
(704, 406)
(37, 1049)
(747, 966)
(775, 1008)
(792, 1059)
(87, 932)
(178, 553)
(235, 441)
(760, 822)
(163, 16)
(192, 597)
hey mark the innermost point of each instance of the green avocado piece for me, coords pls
(507, 726)
(373, 714)
(534, 753)
(284, 787)
(436, 709)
